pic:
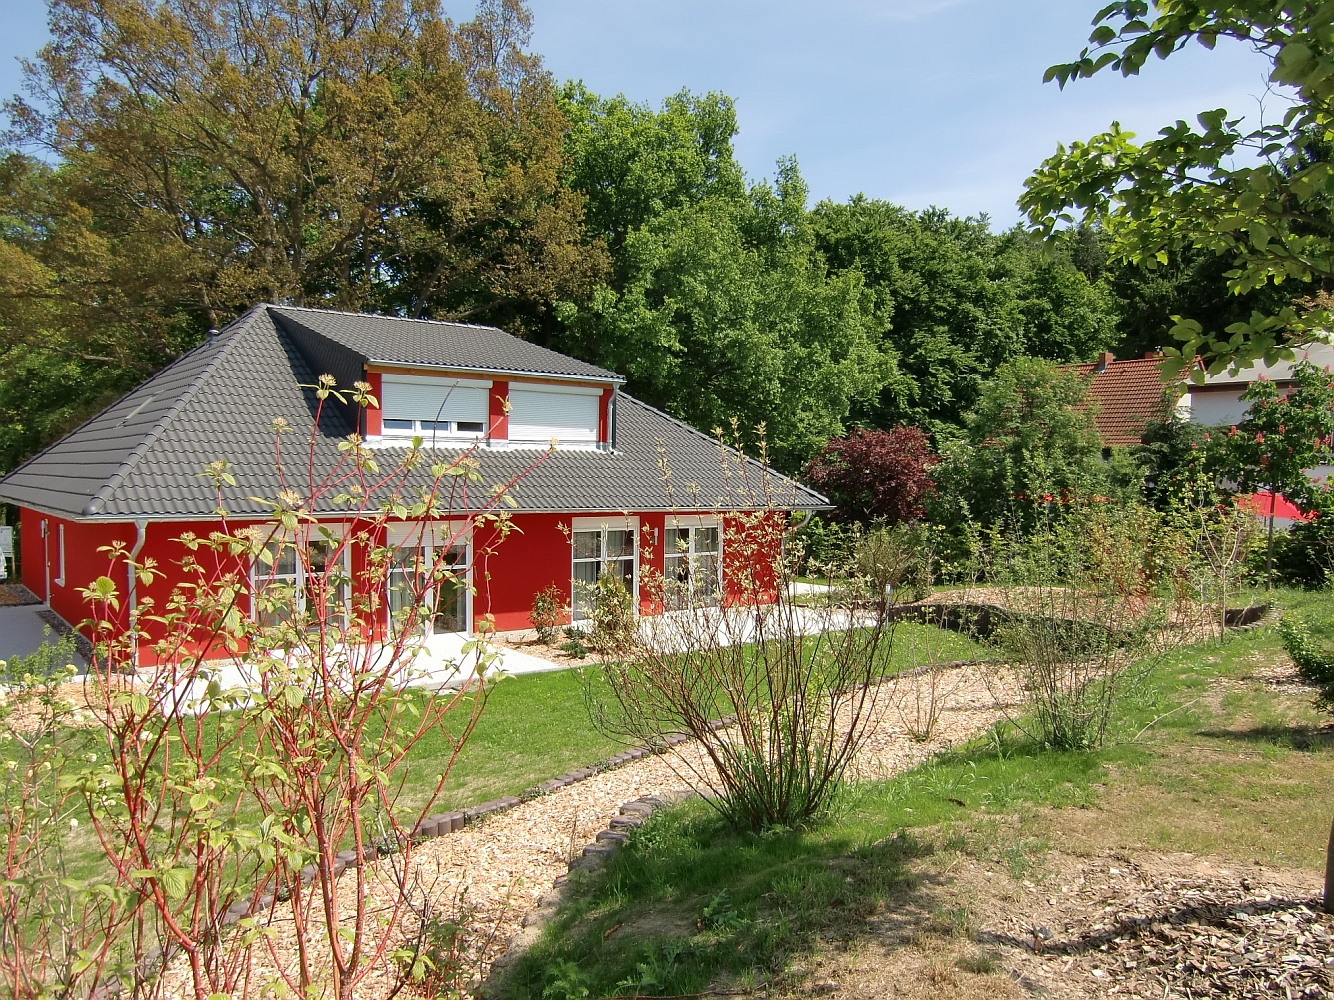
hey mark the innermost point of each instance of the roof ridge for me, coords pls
(232, 331)
(723, 444)
(401, 319)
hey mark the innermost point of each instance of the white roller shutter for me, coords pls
(421, 397)
(567, 413)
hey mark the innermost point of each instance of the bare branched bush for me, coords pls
(922, 698)
(252, 736)
(1085, 607)
(56, 937)
(779, 695)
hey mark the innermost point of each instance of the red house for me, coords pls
(594, 501)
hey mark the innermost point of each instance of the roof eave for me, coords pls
(457, 370)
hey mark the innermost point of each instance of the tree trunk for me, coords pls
(1329, 872)
(1269, 554)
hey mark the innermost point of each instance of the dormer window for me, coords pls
(432, 407)
(428, 427)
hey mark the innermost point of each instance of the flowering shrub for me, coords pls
(1314, 659)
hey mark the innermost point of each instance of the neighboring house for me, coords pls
(132, 474)
(1129, 396)
(1218, 402)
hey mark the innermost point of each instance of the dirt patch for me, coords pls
(74, 703)
(526, 641)
(1152, 926)
(488, 876)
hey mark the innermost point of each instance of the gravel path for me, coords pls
(489, 875)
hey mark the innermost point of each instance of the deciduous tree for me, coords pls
(1259, 197)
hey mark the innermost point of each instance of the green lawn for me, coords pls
(536, 726)
(1227, 767)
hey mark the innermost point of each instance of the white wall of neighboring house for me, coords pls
(1217, 407)
(1218, 402)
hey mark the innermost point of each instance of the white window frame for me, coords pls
(670, 553)
(603, 525)
(426, 427)
(60, 555)
(429, 536)
(260, 573)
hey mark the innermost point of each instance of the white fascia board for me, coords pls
(499, 373)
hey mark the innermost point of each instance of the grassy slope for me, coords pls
(1237, 770)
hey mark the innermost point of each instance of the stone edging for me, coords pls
(629, 818)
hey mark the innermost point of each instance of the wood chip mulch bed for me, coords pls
(488, 875)
(1186, 931)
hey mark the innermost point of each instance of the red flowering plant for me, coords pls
(1285, 433)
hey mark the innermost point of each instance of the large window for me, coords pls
(287, 587)
(692, 563)
(430, 564)
(602, 547)
(433, 407)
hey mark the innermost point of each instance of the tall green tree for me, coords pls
(367, 155)
(718, 305)
(1030, 443)
(1259, 198)
(1284, 433)
(956, 300)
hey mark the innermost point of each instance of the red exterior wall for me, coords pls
(506, 572)
(83, 562)
(500, 420)
(373, 413)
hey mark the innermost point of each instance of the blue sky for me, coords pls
(922, 102)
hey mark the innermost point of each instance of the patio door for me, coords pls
(693, 562)
(430, 564)
(602, 546)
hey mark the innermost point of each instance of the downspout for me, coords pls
(46, 561)
(140, 533)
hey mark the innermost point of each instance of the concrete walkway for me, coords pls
(21, 632)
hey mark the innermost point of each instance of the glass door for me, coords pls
(596, 551)
(693, 566)
(443, 591)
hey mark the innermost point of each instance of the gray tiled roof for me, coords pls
(144, 455)
(390, 340)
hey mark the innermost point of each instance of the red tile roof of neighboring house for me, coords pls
(1130, 395)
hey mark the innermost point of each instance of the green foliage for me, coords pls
(1285, 432)
(954, 301)
(615, 619)
(549, 611)
(51, 662)
(1259, 199)
(897, 556)
(1088, 596)
(717, 306)
(196, 171)
(1031, 446)
(828, 547)
(576, 643)
(1171, 455)
(1304, 554)
(1313, 658)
